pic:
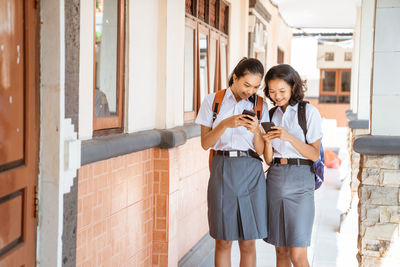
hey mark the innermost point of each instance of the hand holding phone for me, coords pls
(267, 126)
(248, 113)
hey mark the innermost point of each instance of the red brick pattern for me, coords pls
(115, 205)
(160, 209)
(131, 207)
(332, 111)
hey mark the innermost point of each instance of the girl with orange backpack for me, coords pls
(291, 152)
(236, 189)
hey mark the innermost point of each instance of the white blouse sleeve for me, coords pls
(205, 115)
(265, 113)
(314, 124)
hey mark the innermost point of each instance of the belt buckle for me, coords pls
(284, 161)
(233, 154)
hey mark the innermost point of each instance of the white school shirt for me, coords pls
(233, 138)
(289, 121)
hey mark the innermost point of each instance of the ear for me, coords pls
(235, 78)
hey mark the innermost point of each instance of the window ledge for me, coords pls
(105, 147)
(359, 124)
(377, 145)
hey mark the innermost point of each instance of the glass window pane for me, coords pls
(346, 76)
(224, 77)
(189, 69)
(203, 52)
(345, 99)
(213, 61)
(106, 48)
(329, 78)
(327, 99)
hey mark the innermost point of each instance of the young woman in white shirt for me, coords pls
(290, 178)
(236, 190)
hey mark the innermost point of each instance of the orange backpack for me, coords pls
(219, 96)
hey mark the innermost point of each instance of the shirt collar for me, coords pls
(229, 93)
(289, 107)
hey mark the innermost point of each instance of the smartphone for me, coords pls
(267, 126)
(249, 113)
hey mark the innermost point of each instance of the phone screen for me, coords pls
(267, 126)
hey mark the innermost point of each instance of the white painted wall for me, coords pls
(238, 32)
(143, 56)
(174, 67)
(338, 62)
(86, 71)
(304, 60)
(365, 59)
(355, 63)
(154, 83)
(386, 88)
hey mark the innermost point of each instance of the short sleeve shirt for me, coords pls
(289, 121)
(233, 138)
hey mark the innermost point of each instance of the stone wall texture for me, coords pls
(379, 211)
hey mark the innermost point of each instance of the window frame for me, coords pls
(212, 32)
(202, 29)
(191, 115)
(338, 84)
(280, 58)
(112, 124)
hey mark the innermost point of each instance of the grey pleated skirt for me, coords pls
(290, 202)
(237, 199)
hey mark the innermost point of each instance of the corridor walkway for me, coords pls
(333, 243)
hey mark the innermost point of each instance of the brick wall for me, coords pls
(115, 219)
(146, 208)
(332, 111)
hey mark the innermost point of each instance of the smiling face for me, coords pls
(245, 86)
(280, 92)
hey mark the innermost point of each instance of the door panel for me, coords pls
(11, 83)
(19, 131)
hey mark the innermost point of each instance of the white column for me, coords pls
(59, 148)
(52, 111)
(355, 63)
(365, 60)
(385, 110)
(86, 70)
(175, 45)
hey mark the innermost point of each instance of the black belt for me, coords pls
(238, 153)
(285, 161)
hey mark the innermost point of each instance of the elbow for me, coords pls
(204, 145)
(315, 157)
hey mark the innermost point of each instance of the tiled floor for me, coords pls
(329, 247)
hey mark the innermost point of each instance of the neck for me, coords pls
(284, 107)
(237, 97)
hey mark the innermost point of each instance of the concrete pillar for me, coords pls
(386, 87)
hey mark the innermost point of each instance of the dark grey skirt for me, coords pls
(237, 199)
(290, 202)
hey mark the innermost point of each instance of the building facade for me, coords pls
(99, 154)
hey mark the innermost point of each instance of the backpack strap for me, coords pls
(271, 112)
(301, 116)
(219, 96)
(258, 107)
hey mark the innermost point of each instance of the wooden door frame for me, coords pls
(24, 252)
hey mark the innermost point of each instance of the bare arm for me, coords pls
(268, 152)
(210, 136)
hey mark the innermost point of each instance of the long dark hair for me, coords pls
(246, 66)
(291, 77)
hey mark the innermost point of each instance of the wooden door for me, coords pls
(19, 131)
